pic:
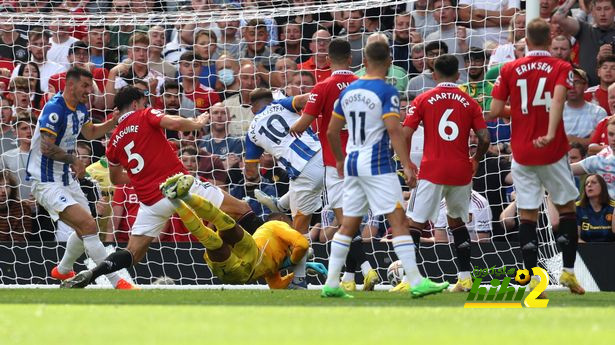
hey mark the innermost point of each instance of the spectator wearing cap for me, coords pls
(13, 47)
(318, 64)
(157, 41)
(424, 81)
(195, 97)
(595, 41)
(580, 117)
(606, 75)
(38, 48)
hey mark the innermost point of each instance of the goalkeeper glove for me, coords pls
(286, 263)
(316, 268)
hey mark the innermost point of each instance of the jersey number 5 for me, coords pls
(540, 97)
(134, 156)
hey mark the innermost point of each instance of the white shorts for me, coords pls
(55, 197)
(306, 190)
(530, 182)
(380, 193)
(424, 204)
(151, 219)
(334, 187)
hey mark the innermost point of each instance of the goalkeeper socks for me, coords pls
(114, 262)
(567, 238)
(365, 267)
(348, 276)
(250, 222)
(95, 250)
(339, 250)
(208, 212)
(416, 238)
(461, 238)
(404, 249)
(74, 249)
(194, 224)
(355, 255)
(528, 240)
(299, 269)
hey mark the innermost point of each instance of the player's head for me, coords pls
(446, 68)
(280, 217)
(129, 98)
(538, 35)
(79, 84)
(610, 131)
(340, 52)
(377, 57)
(260, 98)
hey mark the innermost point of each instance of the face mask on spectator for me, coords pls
(226, 76)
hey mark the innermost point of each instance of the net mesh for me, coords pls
(38, 43)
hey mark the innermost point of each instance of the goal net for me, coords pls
(236, 47)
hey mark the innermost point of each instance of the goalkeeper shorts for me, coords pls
(239, 267)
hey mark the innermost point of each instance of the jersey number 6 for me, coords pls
(134, 156)
(444, 124)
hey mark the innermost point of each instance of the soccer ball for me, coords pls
(395, 273)
(522, 277)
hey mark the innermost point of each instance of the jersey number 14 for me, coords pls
(540, 97)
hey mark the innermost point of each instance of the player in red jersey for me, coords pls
(140, 155)
(319, 108)
(536, 87)
(448, 116)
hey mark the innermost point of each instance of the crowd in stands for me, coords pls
(191, 68)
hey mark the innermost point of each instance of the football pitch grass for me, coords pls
(92, 316)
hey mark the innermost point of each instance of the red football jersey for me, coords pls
(600, 135)
(139, 145)
(125, 197)
(58, 80)
(597, 95)
(529, 83)
(203, 97)
(320, 105)
(448, 114)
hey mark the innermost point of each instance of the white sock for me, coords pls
(404, 249)
(95, 250)
(74, 249)
(284, 202)
(339, 250)
(299, 269)
(464, 275)
(569, 270)
(365, 268)
(348, 277)
(404, 279)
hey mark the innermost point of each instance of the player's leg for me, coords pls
(557, 179)
(458, 209)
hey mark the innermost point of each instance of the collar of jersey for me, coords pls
(342, 71)
(123, 117)
(538, 53)
(447, 84)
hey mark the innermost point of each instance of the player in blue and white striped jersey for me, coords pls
(301, 156)
(370, 109)
(52, 163)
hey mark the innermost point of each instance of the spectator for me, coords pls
(170, 102)
(205, 46)
(188, 156)
(594, 40)
(599, 139)
(606, 75)
(423, 20)
(195, 97)
(254, 45)
(7, 133)
(290, 44)
(479, 224)
(60, 41)
(16, 160)
(489, 19)
(120, 36)
(580, 117)
(595, 212)
(318, 63)
(506, 52)
(182, 41)
(300, 83)
(228, 43)
(13, 47)
(417, 60)
(353, 32)
(218, 141)
(126, 73)
(30, 72)
(156, 35)
(424, 81)
(396, 75)
(15, 219)
(283, 73)
(239, 104)
(38, 49)
(98, 40)
(561, 48)
(19, 89)
(576, 154)
(400, 43)
(494, 72)
(227, 83)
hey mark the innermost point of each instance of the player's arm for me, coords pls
(484, 140)
(335, 142)
(91, 131)
(555, 115)
(399, 144)
(497, 109)
(301, 125)
(294, 240)
(312, 108)
(251, 162)
(276, 281)
(570, 25)
(178, 123)
(117, 175)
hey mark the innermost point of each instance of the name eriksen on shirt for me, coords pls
(533, 66)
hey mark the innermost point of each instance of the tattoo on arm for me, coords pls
(51, 150)
(483, 143)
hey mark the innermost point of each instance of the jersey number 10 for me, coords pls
(540, 97)
(273, 133)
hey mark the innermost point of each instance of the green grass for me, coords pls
(291, 317)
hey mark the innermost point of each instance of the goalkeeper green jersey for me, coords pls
(480, 91)
(396, 77)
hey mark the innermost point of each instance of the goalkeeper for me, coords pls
(232, 254)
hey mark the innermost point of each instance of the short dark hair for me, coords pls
(260, 94)
(453, 2)
(538, 32)
(75, 73)
(378, 51)
(257, 23)
(475, 54)
(446, 65)
(77, 45)
(339, 50)
(594, 2)
(169, 84)
(605, 58)
(436, 45)
(582, 149)
(189, 150)
(190, 56)
(126, 95)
